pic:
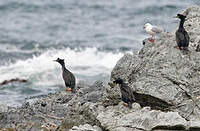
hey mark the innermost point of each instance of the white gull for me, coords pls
(152, 30)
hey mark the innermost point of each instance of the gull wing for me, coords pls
(157, 29)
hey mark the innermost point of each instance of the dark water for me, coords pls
(90, 35)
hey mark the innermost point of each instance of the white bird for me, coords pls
(152, 30)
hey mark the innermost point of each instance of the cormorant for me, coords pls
(127, 95)
(68, 77)
(182, 37)
(152, 30)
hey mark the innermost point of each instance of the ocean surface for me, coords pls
(91, 35)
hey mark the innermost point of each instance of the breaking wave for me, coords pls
(84, 63)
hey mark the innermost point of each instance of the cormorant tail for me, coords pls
(72, 86)
(130, 105)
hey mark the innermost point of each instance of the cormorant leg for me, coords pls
(69, 89)
(180, 48)
(177, 47)
(152, 39)
(125, 104)
(197, 97)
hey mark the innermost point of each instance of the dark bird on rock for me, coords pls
(182, 37)
(127, 95)
(68, 77)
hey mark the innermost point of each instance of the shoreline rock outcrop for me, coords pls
(164, 80)
(170, 77)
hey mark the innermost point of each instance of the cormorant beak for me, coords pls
(111, 83)
(175, 17)
(55, 60)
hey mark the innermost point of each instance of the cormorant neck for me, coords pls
(63, 65)
(181, 23)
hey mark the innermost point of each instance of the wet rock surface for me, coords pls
(164, 80)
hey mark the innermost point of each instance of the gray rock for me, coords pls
(122, 68)
(4, 108)
(164, 77)
(194, 125)
(51, 111)
(114, 119)
(192, 25)
(85, 127)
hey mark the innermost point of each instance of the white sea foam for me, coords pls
(42, 70)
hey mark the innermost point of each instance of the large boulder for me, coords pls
(164, 77)
(115, 119)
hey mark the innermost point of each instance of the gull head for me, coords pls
(147, 25)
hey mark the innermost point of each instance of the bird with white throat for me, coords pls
(152, 30)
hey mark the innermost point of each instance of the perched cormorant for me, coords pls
(127, 95)
(152, 30)
(68, 77)
(182, 37)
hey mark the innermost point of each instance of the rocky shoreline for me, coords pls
(165, 82)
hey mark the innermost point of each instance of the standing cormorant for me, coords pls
(68, 77)
(182, 37)
(152, 30)
(127, 95)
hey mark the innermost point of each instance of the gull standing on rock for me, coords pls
(152, 30)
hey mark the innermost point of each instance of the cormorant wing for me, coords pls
(187, 37)
(67, 84)
(127, 92)
(180, 36)
(157, 29)
(69, 79)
